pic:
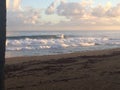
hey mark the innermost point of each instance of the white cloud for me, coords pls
(7, 3)
(13, 4)
(31, 16)
(16, 4)
(51, 9)
(99, 11)
(70, 9)
(20, 18)
(63, 14)
(85, 13)
(83, 8)
(114, 11)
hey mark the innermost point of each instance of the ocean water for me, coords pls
(32, 43)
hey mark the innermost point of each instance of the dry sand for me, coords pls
(92, 70)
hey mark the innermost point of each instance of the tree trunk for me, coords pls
(2, 41)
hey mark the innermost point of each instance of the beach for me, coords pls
(88, 70)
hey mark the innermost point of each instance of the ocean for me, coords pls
(33, 43)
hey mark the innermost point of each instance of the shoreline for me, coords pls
(92, 70)
(19, 59)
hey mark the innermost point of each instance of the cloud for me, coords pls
(13, 4)
(63, 14)
(114, 11)
(16, 15)
(70, 9)
(31, 16)
(86, 13)
(106, 11)
(23, 18)
(53, 6)
(51, 9)
(7, 3)
(99, 11)
(83, 8)
(16, 4)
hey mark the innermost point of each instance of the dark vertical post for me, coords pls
(2, 41)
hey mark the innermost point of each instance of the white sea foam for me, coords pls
(87, 44)
(36, 43)
(20, 43)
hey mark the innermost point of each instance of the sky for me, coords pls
(63, 15)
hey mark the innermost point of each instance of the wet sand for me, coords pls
(90, 70)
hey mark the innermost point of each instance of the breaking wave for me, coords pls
(58, 36)
(58, 41)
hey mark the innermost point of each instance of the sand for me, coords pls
(90, 70)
